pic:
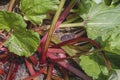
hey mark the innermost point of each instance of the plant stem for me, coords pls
(62, 26)
(65, 74)
(51, 30)
(72, 25)
(74, 10)
(78, 55)
(66, 48)
(49, 74)
(10, 71)
(30, 68)
(11, 4)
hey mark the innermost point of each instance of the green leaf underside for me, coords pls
(115, 75)
(102, 25)
(35, 10)
(21, 41)
(94, 66)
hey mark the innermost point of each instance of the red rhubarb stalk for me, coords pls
(34, 75)
(72, 41)
(46, 40)
(30, 67)
(10, 71)
(33, 59)
(56, 50)
(14, 72)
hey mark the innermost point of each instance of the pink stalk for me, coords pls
(14, 72)
(33, 59)
(56, 50)
(30, 67)
(10, 71)
(49, 74)
(34, 75)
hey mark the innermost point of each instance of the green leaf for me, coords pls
(115, 2)
(115, 75)
(84, 6)
(93, 65)
(108, 2)
(35, 10)
(21, 41)
(11, 21)
(102, 24)
(114, 60)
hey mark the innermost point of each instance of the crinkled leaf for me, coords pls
(93, 65)
(103, 25)
(35, 10)
(10, 21)
(115, 75)
(21, 41)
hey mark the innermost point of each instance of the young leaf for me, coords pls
(35, 10)
(93, 65)
(21, 41)
(102, 24)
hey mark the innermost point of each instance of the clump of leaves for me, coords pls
(100, 28)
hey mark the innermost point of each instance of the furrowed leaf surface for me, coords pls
(35, 10)
(93, 65)
(102, 25)
(22, 42)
